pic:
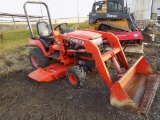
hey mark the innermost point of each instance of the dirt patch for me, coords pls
(16, 60)
(10, 64)
(24, 99)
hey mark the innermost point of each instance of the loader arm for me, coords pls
(101, 58)
(136, 88)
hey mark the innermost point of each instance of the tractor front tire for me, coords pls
(37, 58)
(76, 76)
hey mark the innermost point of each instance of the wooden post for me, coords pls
(13, 19)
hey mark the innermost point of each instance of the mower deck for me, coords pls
(50, 73)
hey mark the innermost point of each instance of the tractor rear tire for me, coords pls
(76, 76)
(37, 58)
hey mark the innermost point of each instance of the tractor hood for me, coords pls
(83, 35)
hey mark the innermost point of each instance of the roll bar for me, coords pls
(27, 17)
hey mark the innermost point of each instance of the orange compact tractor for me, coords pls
(77, 52)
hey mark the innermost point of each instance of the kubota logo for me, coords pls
(75, 40)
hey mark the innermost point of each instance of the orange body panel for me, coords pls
(83, 35)
(36, 42)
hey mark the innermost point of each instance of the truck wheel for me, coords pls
(37, 58)
(76, 76)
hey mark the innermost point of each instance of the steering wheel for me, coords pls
(61, 26)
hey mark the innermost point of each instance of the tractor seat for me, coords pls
(45, 33)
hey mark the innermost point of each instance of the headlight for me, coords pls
(98, 41)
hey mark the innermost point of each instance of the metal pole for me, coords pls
(152, 7)
(78, 12)
(41, 10)
(13, 19)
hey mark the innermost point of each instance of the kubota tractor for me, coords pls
(77, 52)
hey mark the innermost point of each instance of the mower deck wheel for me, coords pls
(76, 76)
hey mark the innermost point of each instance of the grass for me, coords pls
(13, 50)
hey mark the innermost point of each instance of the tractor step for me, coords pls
(55, 55)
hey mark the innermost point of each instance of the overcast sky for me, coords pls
(58, 8)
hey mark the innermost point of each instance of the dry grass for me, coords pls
(12, 45)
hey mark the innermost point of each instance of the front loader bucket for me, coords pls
(135, 91)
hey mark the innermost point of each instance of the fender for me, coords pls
(37, 43)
